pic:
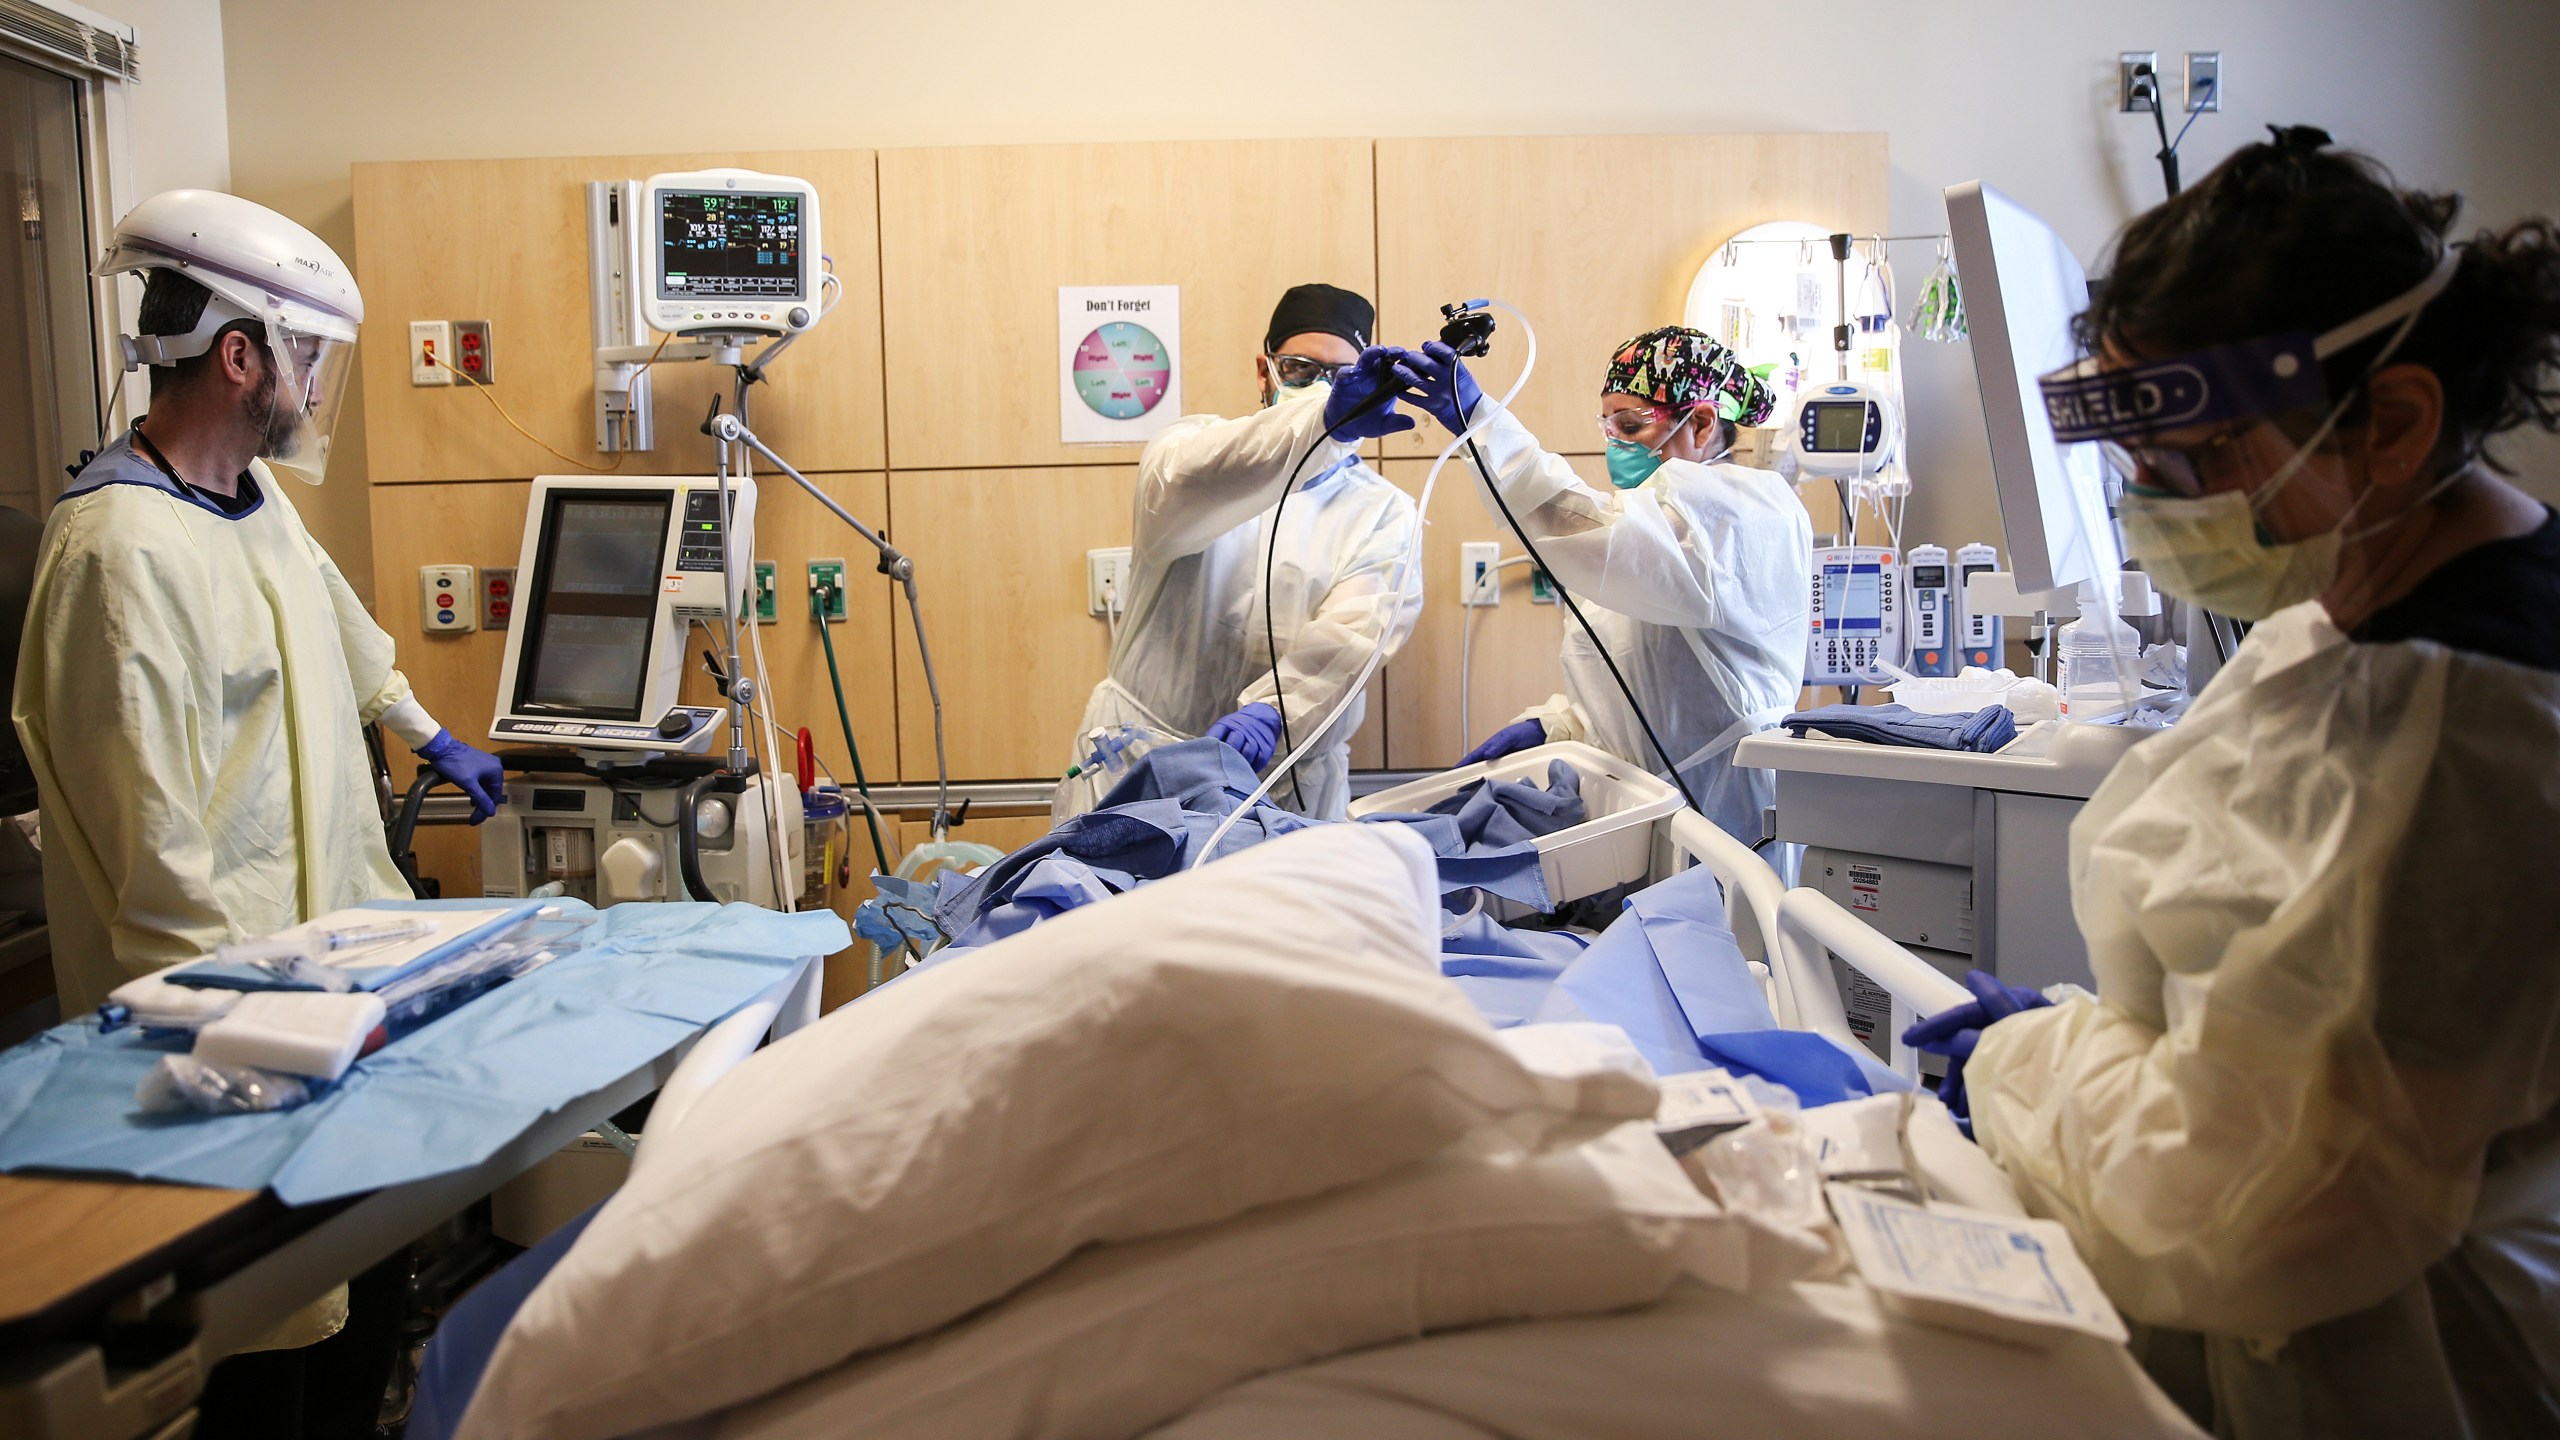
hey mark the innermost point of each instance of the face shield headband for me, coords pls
(2243, 380)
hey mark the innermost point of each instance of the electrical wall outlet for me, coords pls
(2204, 80)
(1106, 581)
(429, 342)
(497, 596)
(822, 574)
(1542, 586)
(473, 352)
(444, 599)
(766, 609)
(1479, 583)
(2137, 81)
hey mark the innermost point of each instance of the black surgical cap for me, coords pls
(1321, 310)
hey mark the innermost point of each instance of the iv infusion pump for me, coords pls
(729, 252)
(1858, 606)
(1845, 431)
(1934, 613)
(1978, 642)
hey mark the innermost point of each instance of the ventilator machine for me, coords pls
(619, 569)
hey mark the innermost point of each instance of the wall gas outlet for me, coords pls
(474, 352)
(2204, 80)
(497, 596)
(1479, 582)
(1542, 586)
(766, 609)
(444, 598)
(2137, 81)
(1106, 581)
(822, 574)
(429, 342)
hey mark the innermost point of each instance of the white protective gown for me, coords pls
(1699, 582)
(2328, 999)
(192, 690)
(1192, 648)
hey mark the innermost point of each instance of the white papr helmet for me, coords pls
(259, 266)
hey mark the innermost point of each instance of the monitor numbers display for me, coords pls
(729, 245)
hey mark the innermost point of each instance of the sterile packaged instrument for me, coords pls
(1857, 615)
(188, 1084)
(2006, 1277)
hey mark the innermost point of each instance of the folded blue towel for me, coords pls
(1981, 732)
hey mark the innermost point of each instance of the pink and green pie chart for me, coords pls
(1122, 370)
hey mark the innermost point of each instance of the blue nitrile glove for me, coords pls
(477, 772)
(1252, 732)
(1956, 1030)
(1518, 735)
(1367, 379)
(1440, 384)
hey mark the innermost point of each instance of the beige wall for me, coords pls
(178, 123)
(2452, 92)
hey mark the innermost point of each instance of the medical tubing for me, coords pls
(844, 717)
(895, 564)
(689, 842)
(1668, 764)
(1271, 555)
(1404, 572)
(786, 888)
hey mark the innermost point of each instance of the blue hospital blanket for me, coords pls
(443, 1098)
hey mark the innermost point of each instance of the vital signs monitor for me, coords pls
(614, 569)
(730, 252)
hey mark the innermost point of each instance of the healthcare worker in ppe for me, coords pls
(1194, 657)
(196, 674)
(2306, 1128)
(1696, 572)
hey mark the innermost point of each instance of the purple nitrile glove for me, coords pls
(1518, 735)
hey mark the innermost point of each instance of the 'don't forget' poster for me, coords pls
(1119, 362)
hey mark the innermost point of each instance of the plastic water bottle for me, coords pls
(2097, 653)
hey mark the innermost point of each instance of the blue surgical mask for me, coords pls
(1631, 464)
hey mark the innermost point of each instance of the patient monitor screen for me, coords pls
(725, 245)
(596, 605)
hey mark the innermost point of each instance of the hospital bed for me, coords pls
(116, 1297)
(1817, 1359)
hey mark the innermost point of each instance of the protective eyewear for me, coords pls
(2182, 470)
(1296, 372)
(2246, 380)
(1630, 424)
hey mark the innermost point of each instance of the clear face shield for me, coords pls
(310, 369)
(2194, 434)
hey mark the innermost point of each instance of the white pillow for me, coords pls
(1271, 1026)
(1123, 1337)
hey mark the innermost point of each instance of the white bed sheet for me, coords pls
(1819, 1360)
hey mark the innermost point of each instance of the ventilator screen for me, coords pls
(596, 605)
(725, 245)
